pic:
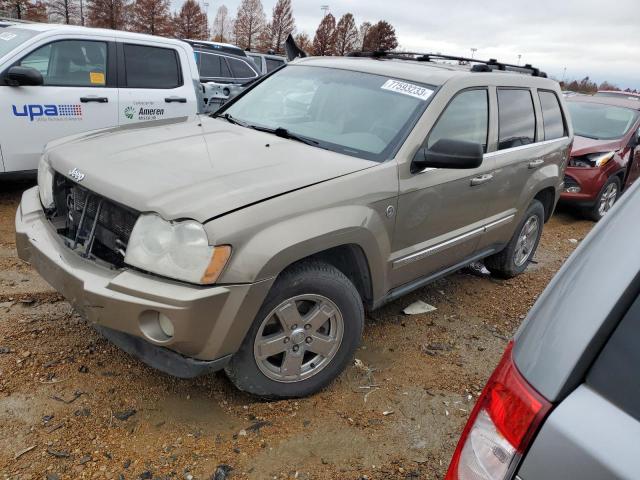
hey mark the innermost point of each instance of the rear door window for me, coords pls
(240, 69)
(273, 64)
(213, 66)
(465, 118)
(151, 67)
(551, 116)
(70, 63)
(517, 118)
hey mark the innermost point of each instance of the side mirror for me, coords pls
(448, 153)
(23, 76)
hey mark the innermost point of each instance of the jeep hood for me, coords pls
(197, 169)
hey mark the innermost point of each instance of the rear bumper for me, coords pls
(209, 322)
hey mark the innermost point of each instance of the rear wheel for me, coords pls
(304, 335)
(606, 199)
(515, 257)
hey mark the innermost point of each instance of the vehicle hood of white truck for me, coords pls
(198, 169)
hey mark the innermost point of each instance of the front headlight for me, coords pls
(45, 183)
(591, 160)
(177, 250)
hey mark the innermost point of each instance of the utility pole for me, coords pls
(473, 51)
(519, 57)
(325, 10)
(564, 74)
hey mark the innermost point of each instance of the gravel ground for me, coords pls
(73, 406)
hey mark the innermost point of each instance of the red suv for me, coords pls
(605, 158)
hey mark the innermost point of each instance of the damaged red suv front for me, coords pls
(605, 158)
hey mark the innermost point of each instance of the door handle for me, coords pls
(487, 177)
(175, 99)
(535, 163)
(95, 99)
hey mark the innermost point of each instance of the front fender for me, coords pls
(351, 210)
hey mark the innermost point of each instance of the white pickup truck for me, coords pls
(58, 80)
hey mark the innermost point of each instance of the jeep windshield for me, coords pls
(599, 121)
(11, 38)
(353, 113)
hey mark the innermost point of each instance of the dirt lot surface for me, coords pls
(73, 406)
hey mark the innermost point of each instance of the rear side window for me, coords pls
(240, 69)
(151, 67)
(465, 118)
(551, 116)
(70, 63)
(213, 66)
(273, 64)
(517, 118)
(616, 373)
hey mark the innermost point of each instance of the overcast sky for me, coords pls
(600, 39)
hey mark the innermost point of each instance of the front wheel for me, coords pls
(304, 335)
(515, 257)
(606, 199)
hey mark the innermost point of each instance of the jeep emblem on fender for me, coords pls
(76, 175)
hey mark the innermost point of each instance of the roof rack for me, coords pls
(479, 65)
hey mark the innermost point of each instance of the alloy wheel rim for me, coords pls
(526, 240)
(298, 338)
(607, 199)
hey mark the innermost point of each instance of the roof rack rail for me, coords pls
(478, 65)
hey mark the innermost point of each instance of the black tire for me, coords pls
(309, 278)
(595, 213)
(504, 264)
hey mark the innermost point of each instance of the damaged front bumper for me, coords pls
(208, 323)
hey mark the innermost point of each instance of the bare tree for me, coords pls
(345, 36)
(15, 8)
(282, 24)
(381, 36)
(64, 11)
(108, 13)
(362, 34)
(323, 40)
(249, 23)
(191, 22)
(37, 12)
(304, 41)
(152, 17)
(222, 25)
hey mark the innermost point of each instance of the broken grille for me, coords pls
(91, 224)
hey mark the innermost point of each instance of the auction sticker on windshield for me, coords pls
(405, 88)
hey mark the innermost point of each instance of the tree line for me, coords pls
(249, 29)
(586, 85)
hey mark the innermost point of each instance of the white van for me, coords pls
(60, 80)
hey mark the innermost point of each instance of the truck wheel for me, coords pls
(515, 257)
(606, 198)
(304, 335)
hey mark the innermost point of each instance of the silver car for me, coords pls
(254, 240)
(563, 402)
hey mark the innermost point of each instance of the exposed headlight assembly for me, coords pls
(178, 250)
(591, 160)
(45, 183)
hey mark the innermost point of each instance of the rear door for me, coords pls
(593, 434)
(79, 94)
(153, 85)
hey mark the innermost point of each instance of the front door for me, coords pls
(441, 212)
(78, 95)
(634, 158)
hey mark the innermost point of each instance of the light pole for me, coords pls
(325, 10)
(473, 51)
(519, 57)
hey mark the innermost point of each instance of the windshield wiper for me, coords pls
(230, 119)
(284, 133)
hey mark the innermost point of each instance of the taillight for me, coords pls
(501, 426)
